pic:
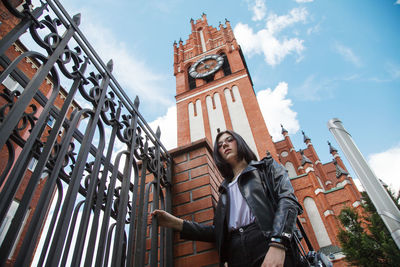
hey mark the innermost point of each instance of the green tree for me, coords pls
(365, 239)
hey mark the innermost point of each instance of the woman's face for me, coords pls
(227, 148)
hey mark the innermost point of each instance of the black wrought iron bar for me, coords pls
(16, 175)
(126, 244)
(156, 193)
(44, 156)
(20, 77)
(76, 259)
(107, 214)
(162, 234)
(97, 61)
(71, 232)
(77, 172)
(8, 241)
(141, 226)
(43, 204)
(133, 218)
(168, 207)
(7, 196)
(20, 28)
(65, 215)
(150, 185)
(10, 161)
(102, 186)
(24, 100)
(124, 196)
(107, 254)
(52, 223)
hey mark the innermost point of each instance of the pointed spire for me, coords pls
(77, 19)
(331, 148)
(283, 130)
(339, 170)
(136, 102)
(110, 65)
(304, 158)
(227, 23)
(204, 17)
(158, 132)
(305, 137)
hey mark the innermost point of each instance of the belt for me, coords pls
(242, 229)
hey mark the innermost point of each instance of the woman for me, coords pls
(252, 225)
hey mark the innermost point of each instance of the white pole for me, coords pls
(383, 203)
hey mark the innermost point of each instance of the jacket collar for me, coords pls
(250, 167)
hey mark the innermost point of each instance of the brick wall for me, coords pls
(195, 193)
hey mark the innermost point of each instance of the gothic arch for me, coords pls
(290, 168)
(230, 92)
(316, 222)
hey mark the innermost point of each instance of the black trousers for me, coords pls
(248, 247)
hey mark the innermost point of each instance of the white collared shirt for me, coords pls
(240, 213)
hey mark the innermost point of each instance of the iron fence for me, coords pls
(80, 167)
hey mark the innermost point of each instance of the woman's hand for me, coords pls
(168, 220)
(275, 257)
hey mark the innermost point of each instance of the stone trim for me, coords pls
(328, 212)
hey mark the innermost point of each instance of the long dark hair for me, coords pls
(244, 152)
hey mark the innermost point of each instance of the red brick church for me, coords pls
(214, 91)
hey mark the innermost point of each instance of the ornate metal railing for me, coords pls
(78, 161)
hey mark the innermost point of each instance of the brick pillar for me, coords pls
(194, 197)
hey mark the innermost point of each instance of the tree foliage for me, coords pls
(365, 240)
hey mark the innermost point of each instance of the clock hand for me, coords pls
(206, 66)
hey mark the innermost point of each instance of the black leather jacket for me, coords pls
(257, 183)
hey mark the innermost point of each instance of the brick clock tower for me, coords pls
(214, 92)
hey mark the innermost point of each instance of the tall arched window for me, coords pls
(290, 168)
(316, 222)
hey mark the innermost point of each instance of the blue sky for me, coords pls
(310, 61)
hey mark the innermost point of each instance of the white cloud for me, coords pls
(259, 10)
(267, 42)
(314, 29)
(347, 54)
(358, 184)
(397, 2)
(386, 166)
(168, 127)
(306, 1)
(131, 71)
(315, 89)
(276, 110)
(393, 70)
(277, 23)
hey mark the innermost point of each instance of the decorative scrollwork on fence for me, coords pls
(92, 157)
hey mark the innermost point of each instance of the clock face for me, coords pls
(206, 66)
